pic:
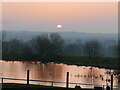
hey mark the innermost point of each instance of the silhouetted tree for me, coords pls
(116, 49)
(15, 46)
(41, 44)
(48, 44)
(27, 50)
(56, 44)
(4, 43)
(116, 52)
(93, 49)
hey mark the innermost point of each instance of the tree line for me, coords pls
(51, 46)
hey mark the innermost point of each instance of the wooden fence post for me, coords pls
(2, 80)
(52, 84)
(67, 80)
(28, 72)
(112, 82)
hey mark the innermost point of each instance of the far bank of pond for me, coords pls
(104, 62)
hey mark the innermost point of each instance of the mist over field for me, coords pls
(78, 38)
(70, 36)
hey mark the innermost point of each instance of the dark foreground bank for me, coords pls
(12, 86)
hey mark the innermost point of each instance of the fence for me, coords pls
(54, 82)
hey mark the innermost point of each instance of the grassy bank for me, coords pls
(16, 86)
(104, 62)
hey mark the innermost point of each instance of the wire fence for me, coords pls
(67, 84)
(51, 83)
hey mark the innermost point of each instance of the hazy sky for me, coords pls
(91, 17)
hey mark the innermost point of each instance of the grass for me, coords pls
(104, 62)
(17, 86)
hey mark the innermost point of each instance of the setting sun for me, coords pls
(59, 26)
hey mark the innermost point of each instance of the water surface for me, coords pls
(56, 72)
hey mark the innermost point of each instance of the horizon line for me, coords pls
(63, 31)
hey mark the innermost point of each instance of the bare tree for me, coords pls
(4, 43)
(116, 52)
(27, 50)
(116, 49)
(93, 49)
(41, 44)
(48, 44)
(57, 43)
(15, 46)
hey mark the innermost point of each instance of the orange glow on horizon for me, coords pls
(57, 11)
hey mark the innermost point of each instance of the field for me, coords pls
(104, 62)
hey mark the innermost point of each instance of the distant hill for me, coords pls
(69, 36)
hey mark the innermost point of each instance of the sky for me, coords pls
(91, 17)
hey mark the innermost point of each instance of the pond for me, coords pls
(57, 72)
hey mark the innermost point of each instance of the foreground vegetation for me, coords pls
(18, 85)
(14, 86)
